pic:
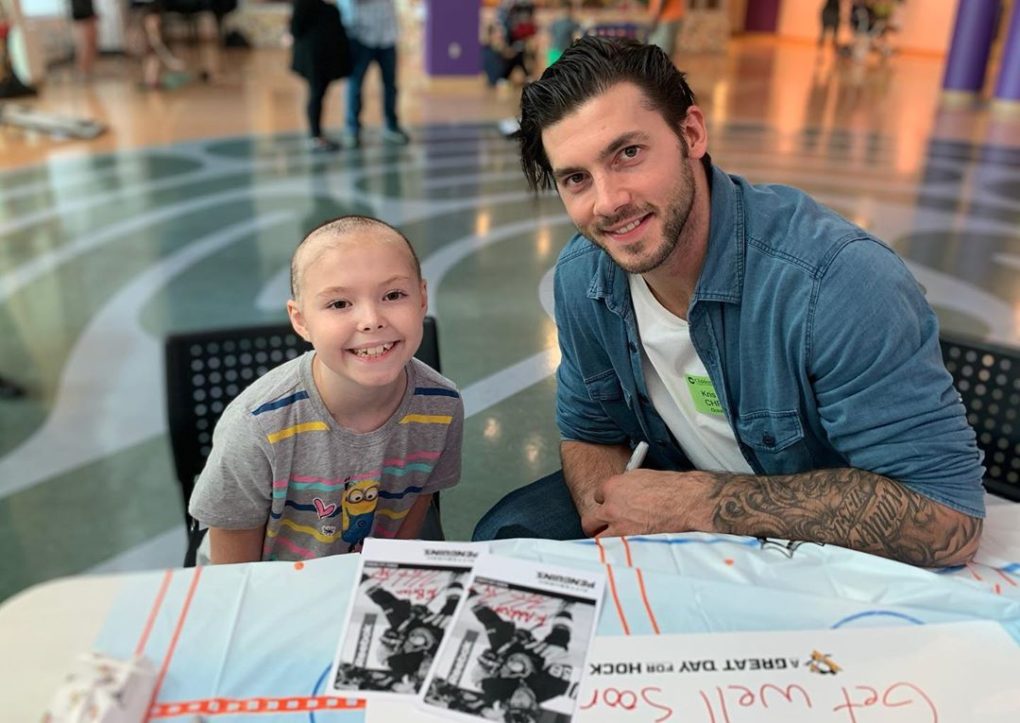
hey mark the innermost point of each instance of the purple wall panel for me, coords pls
(762, 16)
(1008, 87)
(451, 37)
(971, 45)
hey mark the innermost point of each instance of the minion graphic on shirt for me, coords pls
(358, 510)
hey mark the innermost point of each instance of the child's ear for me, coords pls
(297, 320)
(424, 296)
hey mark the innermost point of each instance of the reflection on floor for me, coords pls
(105, 253)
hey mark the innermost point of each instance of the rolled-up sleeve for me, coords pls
(884, 396)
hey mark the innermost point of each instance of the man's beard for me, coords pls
(677, 211)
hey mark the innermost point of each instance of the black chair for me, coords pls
(205, 370)
(987, 376)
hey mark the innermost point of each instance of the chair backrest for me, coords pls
(205, 370)
(987, 376)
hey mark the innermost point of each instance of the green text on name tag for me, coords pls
(703, 393)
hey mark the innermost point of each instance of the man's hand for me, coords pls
(645, 502)
(586, 466)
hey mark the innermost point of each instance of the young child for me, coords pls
(350, 440)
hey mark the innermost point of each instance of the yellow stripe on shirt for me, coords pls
(297, 429)
(427, 419)
(317, 534)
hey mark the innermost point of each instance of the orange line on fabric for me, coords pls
(1006, 577)
(602, 550)
(156, 605)
(973, 572)
(644, 599)
(616, 600)
(626, 547)
(173, 640)
(235, 706)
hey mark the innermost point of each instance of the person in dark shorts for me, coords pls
(830, 22)
(83, 13)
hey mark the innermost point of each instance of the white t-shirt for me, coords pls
(680, 388)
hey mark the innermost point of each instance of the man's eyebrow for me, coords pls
(621, 141)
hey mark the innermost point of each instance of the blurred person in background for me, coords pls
(147, 32)
(830, 22)
(321, 54)
(562, 32)
(86, 48)
(667, 19)
(372, 31)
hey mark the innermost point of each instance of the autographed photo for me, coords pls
(515, 653)
(398, 616)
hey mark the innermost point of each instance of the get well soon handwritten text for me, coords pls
(815, 696)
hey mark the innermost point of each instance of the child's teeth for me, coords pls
(375, 350)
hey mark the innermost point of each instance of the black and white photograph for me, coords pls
(517, 648)
(406, 597)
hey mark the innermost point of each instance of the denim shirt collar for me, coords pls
(722, 276)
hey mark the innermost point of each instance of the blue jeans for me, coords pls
(542, 509)
(362, 56)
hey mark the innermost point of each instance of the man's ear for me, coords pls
(297, 319)
(695, 132)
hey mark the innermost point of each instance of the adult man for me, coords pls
(372, 32)
(782, 364)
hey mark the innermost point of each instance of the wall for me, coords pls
(925, 25)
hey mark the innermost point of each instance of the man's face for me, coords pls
(624, 176)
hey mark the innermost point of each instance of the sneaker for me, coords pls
(351, 139)
(508, 127)
(324, 145)
(395, 136)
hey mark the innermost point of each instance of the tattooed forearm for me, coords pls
(848, 507)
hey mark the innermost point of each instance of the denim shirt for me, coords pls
(820, 345)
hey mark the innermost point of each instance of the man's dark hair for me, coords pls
(590, 67)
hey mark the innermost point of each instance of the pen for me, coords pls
(637, 457)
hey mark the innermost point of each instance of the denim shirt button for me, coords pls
(632, 346)
(768, 440)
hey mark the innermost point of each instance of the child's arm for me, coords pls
(232, 495)
(410, 528)
(227, 546)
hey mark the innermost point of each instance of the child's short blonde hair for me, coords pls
(335, 230)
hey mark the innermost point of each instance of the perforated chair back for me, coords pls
(987, 377)
(206, 370)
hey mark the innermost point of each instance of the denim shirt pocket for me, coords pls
(777, 439)
(606, 387)
(616, 401)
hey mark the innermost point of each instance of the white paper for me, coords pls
(949, 673)
(516, 649)
(104, 690)
(407, 592)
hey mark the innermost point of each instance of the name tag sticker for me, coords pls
(703, 393)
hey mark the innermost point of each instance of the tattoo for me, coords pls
(847, 507)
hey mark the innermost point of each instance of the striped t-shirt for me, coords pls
(280, 459)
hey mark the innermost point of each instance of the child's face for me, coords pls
(361, 307)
